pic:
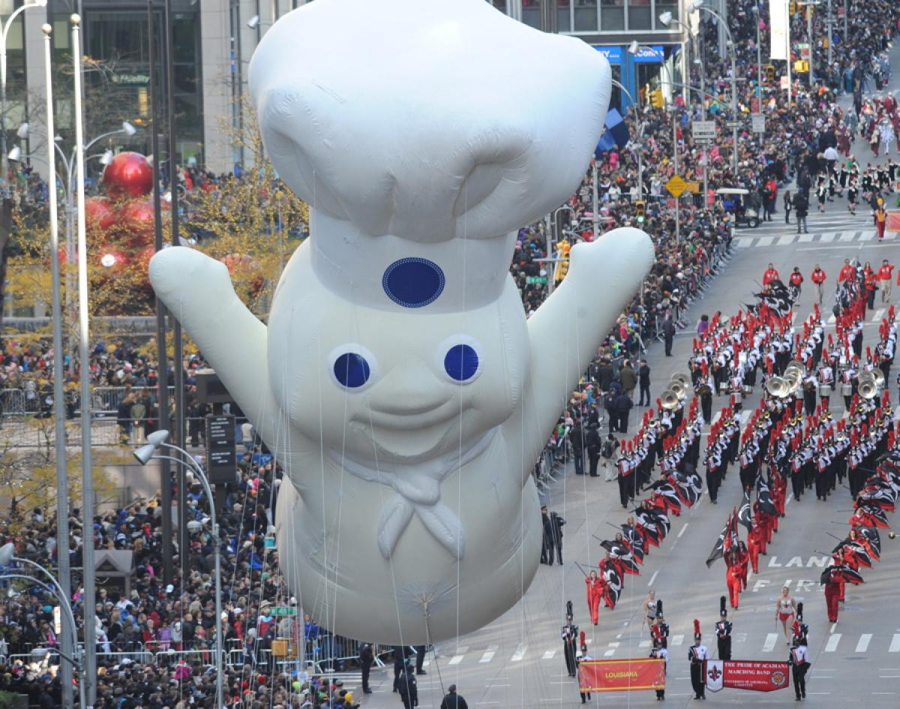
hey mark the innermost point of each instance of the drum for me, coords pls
(846, 389)
(824, 389)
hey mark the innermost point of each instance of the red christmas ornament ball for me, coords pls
(100, 212)
(128, 175)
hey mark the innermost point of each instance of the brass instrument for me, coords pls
(778, 387)
(685, 379)
(669, 399)
(868, 385)
(678, 389)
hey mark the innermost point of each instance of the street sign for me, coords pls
(733, 124)
(758, 121)
(676, 185)
(784, 83)
(283, 611)
(536, 280)
(220, 449)
(693, 187)
(704, 130)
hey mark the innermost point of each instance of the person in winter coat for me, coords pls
(452, 700)
(801, 205)
(624, 403)
(628, 377)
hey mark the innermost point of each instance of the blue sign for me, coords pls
(613, 54)
(650, 55)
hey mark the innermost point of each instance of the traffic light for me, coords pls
(793, 7)
(770, 73)
(640, 210)
(657, 100)
(801, 66)
(562, 266)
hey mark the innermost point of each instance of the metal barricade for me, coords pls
(12, 402)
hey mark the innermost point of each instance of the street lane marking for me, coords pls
(785, 240)
(877, 316)
(716, 416)
(644, 643)
(681, 531)
(488, 654)
(867, 236)
(520, 653)
(653, 578)
(458, 657)
(677, 639)
(825, 238)
(745, 415)
(806, 238)
(832, 319)
(549, 655)
(765, 240)
(864, 641)
(831, 645)
(744, 243)
(612, 650)
(895, 643)
(771, 639)
(847, 236)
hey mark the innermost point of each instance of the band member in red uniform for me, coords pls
(841, 584)
(833, 593)
(732, 577)
(743, 557)
(596, 590)
(753, 546)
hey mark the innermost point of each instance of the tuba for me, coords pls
(778, 387)
(678, 389)
(685, 379)
(868, 386)
(669, 399)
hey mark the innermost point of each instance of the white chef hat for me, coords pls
(423, 146)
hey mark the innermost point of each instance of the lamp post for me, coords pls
(811, 39)
(145, 454)
(84, 376)
(698, 5)
(4, 33)
(639, 137)
(758, 62)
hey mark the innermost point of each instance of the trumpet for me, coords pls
(669, 399)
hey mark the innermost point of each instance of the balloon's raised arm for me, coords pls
(567, 329)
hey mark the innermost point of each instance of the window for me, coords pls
(586, 18)
(612, 15)
(639, 15)
(666, 6)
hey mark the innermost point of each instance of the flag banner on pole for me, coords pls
(747, 674)
(778, 23)
(621, 675)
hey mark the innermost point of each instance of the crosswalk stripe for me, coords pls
(864, 641)
(458, 657)
(744, 243)
(805, 238)
(489, 654)
(549, 655)
(771, 639)
(877, 316)
(785, 240)
(832, 319)
(847, 236)
(765, 240)
(644, 643)
(716, 416)
(833, 640)
(745, 415)
(677, 639)
(519, 653)
(825, 238)
(867, 236)
(895, 641)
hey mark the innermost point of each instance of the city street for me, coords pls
(518, 660)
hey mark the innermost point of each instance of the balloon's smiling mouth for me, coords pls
(403, 418)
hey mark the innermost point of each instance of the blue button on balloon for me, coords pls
(413, 282)
(352, 370)
(461, 362)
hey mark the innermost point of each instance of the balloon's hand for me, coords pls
(197, 290)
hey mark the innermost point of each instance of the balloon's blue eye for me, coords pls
(461, 362)
(352, 370)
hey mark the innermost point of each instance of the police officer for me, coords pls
(409, 691)
(723, 632)
(697, 654)
(366, 660)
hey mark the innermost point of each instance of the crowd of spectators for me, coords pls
(156, 641)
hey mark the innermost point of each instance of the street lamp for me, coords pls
(146, 453)
(758, 62)
(77, 658)
(4, 33)
(697, 5)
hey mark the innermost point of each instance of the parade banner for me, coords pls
(778, 24)
(747, 674)
(621, 675)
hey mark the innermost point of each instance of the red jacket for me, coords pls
(770, 275)
(846, 272)
(885, 272)
(818, 276)
(796, 278)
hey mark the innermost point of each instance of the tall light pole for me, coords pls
(758, 62)
(811, 39)
(698, 5)
(146, 453)
(59, 409)
(84, 377)
(4, 33)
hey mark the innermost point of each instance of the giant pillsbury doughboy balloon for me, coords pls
(398, 380)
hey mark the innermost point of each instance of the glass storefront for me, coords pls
(593, 16)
